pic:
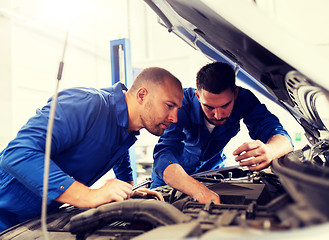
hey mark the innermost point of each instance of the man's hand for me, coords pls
(81, 196)
(205, 195)
(175, 176)
(257, 155)
(143, 192)
(113, 190)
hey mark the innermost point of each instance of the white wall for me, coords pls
(32, 40)
(5, 76)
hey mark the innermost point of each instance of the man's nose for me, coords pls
(173, 117)
(217, 113)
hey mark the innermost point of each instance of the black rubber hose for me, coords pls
(152, 211)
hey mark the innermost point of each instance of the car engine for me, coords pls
(289, 196)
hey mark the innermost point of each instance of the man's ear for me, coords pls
(197, 94)
(236, 92)
(141, 94)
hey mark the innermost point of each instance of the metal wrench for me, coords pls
(147, 181)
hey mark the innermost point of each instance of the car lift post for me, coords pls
(122, 72)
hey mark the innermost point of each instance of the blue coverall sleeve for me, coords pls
(24, 156)
(261, 123)
(123, 171)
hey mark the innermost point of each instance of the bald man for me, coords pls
(92, 133)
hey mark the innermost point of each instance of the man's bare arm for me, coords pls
(175, 176)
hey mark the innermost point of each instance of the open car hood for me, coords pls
(270, 57)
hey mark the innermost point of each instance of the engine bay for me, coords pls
(279, 199)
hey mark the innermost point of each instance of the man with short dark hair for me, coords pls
(92, 133)
(209, 118)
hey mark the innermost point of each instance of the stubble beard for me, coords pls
(153, 129)
(148, 121)
(215, 122)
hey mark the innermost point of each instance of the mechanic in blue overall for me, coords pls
(210, 116)
(92, 133)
